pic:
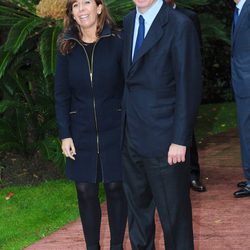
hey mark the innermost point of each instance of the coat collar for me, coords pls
(73, 33)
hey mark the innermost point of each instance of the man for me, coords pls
(195, 182)
(240, 67)
(162, 93)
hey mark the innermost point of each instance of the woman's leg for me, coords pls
(90, 213)
(117, 213)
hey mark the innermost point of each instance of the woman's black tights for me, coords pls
(90, 213)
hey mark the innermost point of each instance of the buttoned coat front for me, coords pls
(88, 107)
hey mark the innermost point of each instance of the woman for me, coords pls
(88, 92)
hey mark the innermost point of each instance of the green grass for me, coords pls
(34, 212)
(214, 119)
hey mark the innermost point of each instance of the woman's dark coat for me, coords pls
(90, 112)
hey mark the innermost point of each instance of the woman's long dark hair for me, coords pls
(70, 24)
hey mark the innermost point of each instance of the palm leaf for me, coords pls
(48, 49)
(214, 29)
(5, 58)
(19, 33)
(27, 5)
(10, 10)
(119, 9)
(8, 21)
(7, 104)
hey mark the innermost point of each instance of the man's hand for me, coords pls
(176, 153)
(68, 148)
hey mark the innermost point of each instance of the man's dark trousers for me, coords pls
(169, 185)
(194, 161)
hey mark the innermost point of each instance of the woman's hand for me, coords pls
(68, 148)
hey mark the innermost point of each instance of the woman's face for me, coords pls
(85, 13)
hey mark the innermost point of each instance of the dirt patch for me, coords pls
(18, 170)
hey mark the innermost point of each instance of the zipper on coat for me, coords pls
(91, 69)
(93, 95)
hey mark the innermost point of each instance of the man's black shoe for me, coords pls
(197, 186)
(244, 192)
(242, 184)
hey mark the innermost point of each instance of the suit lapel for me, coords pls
(153, 36)
(128, 43)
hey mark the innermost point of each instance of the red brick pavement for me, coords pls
(220, 221)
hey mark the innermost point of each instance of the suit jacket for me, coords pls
(195, 19)
(163, 83)
(240, 53)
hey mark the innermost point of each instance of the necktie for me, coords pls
(140, 35)
(236, 15)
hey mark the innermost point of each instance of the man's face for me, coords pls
(236, 1)
(143, 5)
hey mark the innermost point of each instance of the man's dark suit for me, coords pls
(240, 67)
(194, 157)
(162, 94)
(195, 19)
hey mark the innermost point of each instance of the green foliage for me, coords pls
(19, 33)
(51, 148)
(119, 9)
(5, 59)
(48, 53)
(28, 102)
(214, 119)
(192, 3)
(213, 28)
(7, 104)
(27, 65)
(25, 4)
(216, 20)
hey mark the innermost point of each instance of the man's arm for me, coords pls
(187, 66)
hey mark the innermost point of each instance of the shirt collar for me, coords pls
(240, 4)
(152, 11)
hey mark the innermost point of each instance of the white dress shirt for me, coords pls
(239, 5)
(149, 17)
